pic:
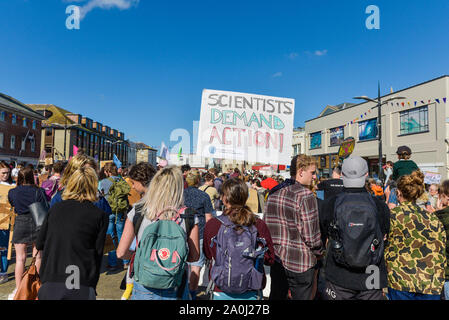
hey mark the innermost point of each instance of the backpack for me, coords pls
(355, 233)
(161, 254)
(51, 187)
(238, 264)
(118, 195)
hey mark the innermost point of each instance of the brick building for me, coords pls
(61, 130)
(20, 131)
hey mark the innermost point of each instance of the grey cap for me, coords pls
(353, 171)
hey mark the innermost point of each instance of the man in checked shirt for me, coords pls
(291, 215)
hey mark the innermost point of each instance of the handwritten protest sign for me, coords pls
(432, 177)
(241, 126)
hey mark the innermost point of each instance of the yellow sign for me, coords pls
(346, 148)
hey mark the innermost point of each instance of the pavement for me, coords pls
(108, 287)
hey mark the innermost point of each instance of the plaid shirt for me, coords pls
(291, 215)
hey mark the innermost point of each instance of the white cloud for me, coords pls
(320, 53)
(103, 4)
(277, 75)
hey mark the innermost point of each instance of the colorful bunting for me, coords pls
(437, 100)
(444, 99)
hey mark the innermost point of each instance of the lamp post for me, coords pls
(379, 104)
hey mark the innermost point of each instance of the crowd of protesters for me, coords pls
(350, 236)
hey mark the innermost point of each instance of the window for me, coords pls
(34, 124)
(24, 122)
(2, 116)
(368, 129)
(13, 142)
(48, 132)
(14, 119)
(33, 145)
(414, 120)
(1, 139)
(23, 145)
(315, 140)
(337, 135)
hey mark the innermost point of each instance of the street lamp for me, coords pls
(65, 126)
(379, 104)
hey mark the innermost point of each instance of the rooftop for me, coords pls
(16, 106)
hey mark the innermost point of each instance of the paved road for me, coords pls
(108, 287)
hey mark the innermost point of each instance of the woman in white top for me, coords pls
(5, 179)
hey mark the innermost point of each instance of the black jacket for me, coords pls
(337, 274)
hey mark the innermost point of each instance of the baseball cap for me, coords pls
(404, 149)
(353, 171)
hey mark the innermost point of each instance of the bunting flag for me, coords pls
(408, 102)
(403, 103)
(75, 150)
(422, 102)
(397, 104)
(444, 99)
(415, 103)
(437, 100)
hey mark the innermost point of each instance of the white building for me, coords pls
(299, 141)
(421, 121)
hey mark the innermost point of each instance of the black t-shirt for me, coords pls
(337, 274)
(331, 187)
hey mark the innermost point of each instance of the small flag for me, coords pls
(397, 103)
(391, 89)
(415, 103)
(429, 101)
(444, 99)
(403, 104)
(408, 102)
(422, 102)
(117, 161)
(437, 100)
(164, 151)
(75, 150)
(179, 153)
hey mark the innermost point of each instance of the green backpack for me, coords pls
(118, 195)
(161, 254)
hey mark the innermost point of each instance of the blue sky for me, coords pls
(142, 68)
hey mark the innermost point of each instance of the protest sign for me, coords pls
(245, 127)
(432, 177)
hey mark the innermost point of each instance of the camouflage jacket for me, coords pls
(415, 250)
(443, 215)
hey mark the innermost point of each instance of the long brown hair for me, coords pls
(26, 176)
(236, 193)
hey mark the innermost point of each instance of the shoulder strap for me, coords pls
(138, 218)
(188, 214)
(206, 188)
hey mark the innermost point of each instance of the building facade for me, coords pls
(132, 153)
(298, 141)
(20, 132)
(62, 130)
(420, 121)
(146, 153)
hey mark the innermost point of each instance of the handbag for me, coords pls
(109, 244)
(39, 211)
(30, 284)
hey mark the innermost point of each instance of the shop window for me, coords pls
(337, 135)
(414, 120)
(368, 129)
(315, 140)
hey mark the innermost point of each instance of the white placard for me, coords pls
(432, 177)
(242, 126)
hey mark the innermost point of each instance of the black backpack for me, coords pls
(355, 233)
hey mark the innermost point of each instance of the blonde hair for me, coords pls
(77, 162)
(303, 162)
(165, 194)
(193, 178)
(82, 185)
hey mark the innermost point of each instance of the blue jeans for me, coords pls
(141, 292)
(403, 295)
(115, 227)
(446, 290)
(4, 240)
